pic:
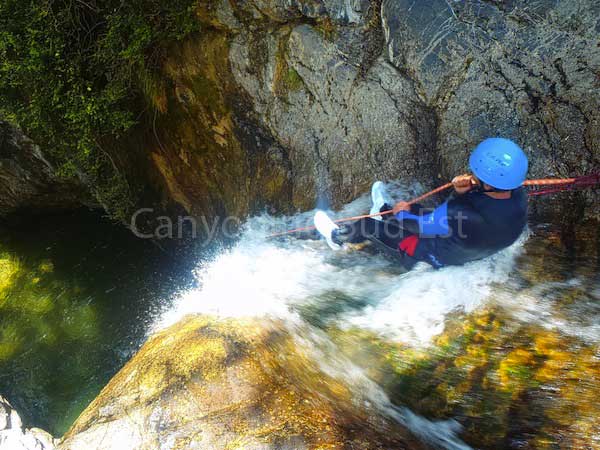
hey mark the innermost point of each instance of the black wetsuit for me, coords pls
(462, 229)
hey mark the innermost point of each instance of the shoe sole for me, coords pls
(378, 197)
(325, 227)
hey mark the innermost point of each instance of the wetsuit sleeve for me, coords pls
(430, 224)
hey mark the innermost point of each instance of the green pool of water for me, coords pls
(77, 294)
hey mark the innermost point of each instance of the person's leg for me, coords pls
(385, 232)
(394, 241)
(350, 233)
(387, 236)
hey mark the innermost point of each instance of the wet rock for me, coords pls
(13, 436)
(280, 103)
(230, 384)
(344, 12)
(525, 70)
(343, 129)
(28, 181)
(521, 371)
(411, 91)
(206, 156)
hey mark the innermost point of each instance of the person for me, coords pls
(487, 212)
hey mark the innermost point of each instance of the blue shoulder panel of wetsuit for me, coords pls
(434, 223)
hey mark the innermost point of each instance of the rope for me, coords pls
(560, 184)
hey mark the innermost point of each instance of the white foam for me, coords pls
(266, 277)
(541, 304)
(415, 310)
(440, 433)
(261, 277)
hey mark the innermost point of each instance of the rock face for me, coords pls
(405, 89)
(321, 98)
(526, 70)
(14, 437)
(235, 384)
(279, 103)
(28, 181)
(344, 125)
(203, 154)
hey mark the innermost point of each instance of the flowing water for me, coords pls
(493, 353)
(499, 353)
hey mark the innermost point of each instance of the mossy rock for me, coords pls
(494, 374)
(232, 384)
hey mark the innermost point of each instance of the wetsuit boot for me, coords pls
(326, 228)
(380, 198)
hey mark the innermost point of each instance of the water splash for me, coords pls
(280, 278)
(543, 304)
(414, 308)
(294, 280)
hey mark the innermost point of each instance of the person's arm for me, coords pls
(432, 223)
(435, 222)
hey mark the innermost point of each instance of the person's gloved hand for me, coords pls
(401, 206)
(464, 183)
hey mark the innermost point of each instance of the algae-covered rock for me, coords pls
(511, 385)
(521, 372)
(233, 384)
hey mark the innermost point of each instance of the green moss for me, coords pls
(207, 92)
(78, 76)
(293, 80)
(285, 78)
(494, 374)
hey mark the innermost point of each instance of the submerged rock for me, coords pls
(523, 371)
(13, 436)
(235, 384)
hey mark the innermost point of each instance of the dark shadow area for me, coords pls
(77, 296)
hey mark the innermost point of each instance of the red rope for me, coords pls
(560, 184)
(567, 184)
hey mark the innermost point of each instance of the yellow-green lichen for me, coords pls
(327, 28)
(486, 368)
(240, 382)
(285, 78)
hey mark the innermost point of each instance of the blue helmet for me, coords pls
(500, 163)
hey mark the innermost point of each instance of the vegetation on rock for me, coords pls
(75, 76)
(511, 382)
